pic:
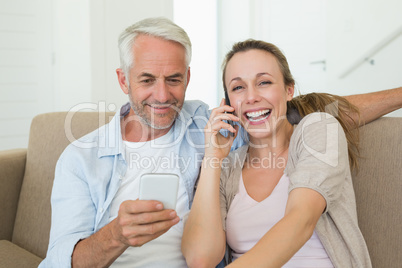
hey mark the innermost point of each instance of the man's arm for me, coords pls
(376, 104)
(72, 238)
(137, 223)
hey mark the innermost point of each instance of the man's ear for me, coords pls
(290, 91)
(188, 76)
(121, 77)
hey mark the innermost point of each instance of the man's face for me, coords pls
(158, 80)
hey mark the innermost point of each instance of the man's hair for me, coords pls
(158, 27)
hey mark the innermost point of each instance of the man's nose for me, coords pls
(161, 93)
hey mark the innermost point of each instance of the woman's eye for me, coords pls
(237, 88)
(265, 83)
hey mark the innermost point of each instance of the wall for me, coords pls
(199, 20)
(71, 53)
(296, 27)
(355, 29)
(25, 67)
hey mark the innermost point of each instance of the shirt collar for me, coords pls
(110, 139)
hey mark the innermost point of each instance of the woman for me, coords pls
(285, 199)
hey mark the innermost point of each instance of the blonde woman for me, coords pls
(286, 198)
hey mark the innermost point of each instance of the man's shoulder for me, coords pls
(196, 107)
(90, 143)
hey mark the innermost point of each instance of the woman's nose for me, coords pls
(252, 95)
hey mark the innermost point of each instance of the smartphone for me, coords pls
(162, 187)
(229, 121)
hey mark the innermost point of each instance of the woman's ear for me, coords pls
(290, 91)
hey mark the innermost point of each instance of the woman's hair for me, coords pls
(335, 105)
(303, 105)
(260, 45)
(158, 27)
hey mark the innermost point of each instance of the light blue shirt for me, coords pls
(89, 173)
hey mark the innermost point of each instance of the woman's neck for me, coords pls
(276, 144)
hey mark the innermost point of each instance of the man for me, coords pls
(97, 219)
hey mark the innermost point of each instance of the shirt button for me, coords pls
(101, 210)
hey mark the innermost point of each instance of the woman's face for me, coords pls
(257, 91)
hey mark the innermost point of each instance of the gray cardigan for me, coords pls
(317, 159)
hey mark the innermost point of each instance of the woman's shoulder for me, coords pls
(315, 121)
(313, 126)
(314, 135)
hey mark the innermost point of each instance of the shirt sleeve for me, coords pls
(73, 211)
(318, 157)
(223, 204)
(224, 196)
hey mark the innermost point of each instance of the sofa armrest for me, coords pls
(12, 169)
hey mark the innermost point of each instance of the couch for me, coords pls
(26, 178)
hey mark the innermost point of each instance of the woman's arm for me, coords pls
(204, 240)
(376, 104)
(281, 242)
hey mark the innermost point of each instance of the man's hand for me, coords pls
(137, 223)
(140, 221)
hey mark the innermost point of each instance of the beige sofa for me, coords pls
(26, 178)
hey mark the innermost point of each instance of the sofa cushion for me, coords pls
(378, 188)
(12, 166)
(47, 139)
(13, 256)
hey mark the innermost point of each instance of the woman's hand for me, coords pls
(217, 145)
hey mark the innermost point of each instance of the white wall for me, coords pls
(71, 54)
(296, 27)
(356, 28)
(199, 20)
(25, 67)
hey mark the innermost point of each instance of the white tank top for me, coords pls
(248, 220)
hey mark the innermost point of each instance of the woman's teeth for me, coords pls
(258, 115)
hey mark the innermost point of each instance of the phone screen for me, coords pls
(162, 187)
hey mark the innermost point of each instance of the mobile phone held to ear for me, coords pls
(162, 187)
(229, 121)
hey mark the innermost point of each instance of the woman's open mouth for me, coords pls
(258, 116)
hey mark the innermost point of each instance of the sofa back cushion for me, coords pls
(378, 188)
(49, 135)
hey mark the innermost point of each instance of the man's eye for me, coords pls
(174, 81)
(147, 81)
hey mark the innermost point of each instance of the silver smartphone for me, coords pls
(162, 187)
